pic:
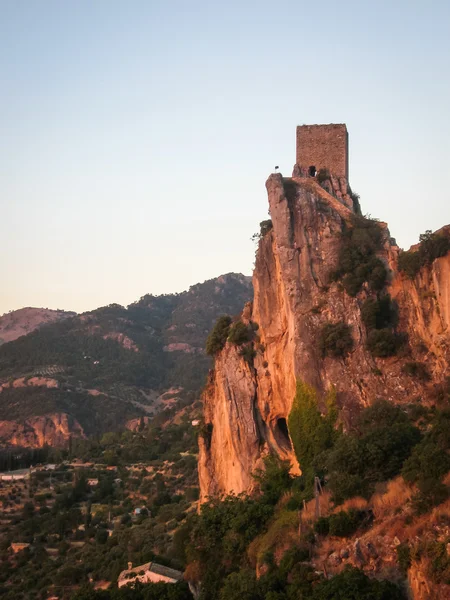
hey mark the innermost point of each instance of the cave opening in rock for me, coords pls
(312, 171)
(282, 434)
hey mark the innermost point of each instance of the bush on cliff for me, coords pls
(377, 313)
(353, 584)
(432, 246)
(219, 537)
(274, 479)
(342, 524)
(240, 333)
(335, 339)
(429, 462)
(377, 452)
(358, 262)
(218, 336)
(383, 342)
(264, 227)
(416, 369)
(311, 432)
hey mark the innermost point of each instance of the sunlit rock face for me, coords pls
(246, 406)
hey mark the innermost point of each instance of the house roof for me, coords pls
(153, 568)
(166, 571)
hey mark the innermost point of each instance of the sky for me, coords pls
(137, 135)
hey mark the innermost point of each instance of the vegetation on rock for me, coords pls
(358, 263)
(218, 336)
(342, 523)
(264, 227)
(311, 432)
(432, 246)
(127, 356)
(240, 333)
(383, 342)
(335, 339)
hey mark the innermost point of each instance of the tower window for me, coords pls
(312, 171)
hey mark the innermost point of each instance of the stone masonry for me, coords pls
(323, 147)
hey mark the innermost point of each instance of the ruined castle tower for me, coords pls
(323, 147)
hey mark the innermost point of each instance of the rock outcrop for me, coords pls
(246, 406)
(36, 432)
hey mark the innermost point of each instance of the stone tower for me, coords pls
(323, 147)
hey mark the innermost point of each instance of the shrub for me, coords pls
(242, 585)
(427, 460)
(335, 339)
(248, 353)
(357, 462)
(311, 433)
(264, 227)
(353, 584)
(438, 561)
(239, 333)
(432, 246)
(409, 263)
(218, 336)
(380, 414)
(431, 493)
(382, 343)
(322, 526)
(282, 528)
(416, 369)
(274, 479)
(356, 201)
(344, 524)
(377, 313)
(358, 262)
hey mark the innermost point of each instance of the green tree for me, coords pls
(335, 339)
(218, 336)
(353, 584)
(311, 432)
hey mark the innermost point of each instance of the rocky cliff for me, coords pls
(36, 432)
(296, 294)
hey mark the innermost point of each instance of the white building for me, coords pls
(149, 573)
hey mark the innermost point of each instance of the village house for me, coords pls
(150, 572)
(18, 546)
(15, 475)
(140, 510)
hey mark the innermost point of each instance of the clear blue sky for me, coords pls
(137, 135)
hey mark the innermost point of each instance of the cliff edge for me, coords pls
(306, 282)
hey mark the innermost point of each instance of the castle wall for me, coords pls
(323, 146)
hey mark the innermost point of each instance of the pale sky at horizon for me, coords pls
(137, 135)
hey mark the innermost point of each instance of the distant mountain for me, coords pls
(25, 320)
(94, 372)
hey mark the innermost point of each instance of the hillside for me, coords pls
(91, 373)
(25, 320)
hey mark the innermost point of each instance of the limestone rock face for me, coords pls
(36, 432)
(246, 407)
(231, 449)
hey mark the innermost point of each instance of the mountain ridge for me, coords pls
(111, 365)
